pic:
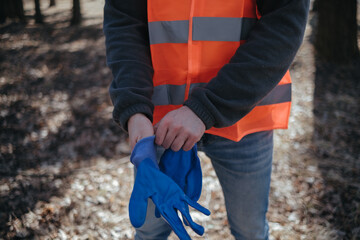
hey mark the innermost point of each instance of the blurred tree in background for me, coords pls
(52, 3)
(11, 9)
(15, 9)
(38, 15)
(76, 13)
(336, 36)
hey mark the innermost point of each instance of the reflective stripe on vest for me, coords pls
(174, 94)
(190, 42)
(204, 29)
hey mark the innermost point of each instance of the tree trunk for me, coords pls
(11, 9)
(52, 3)
(3, 14)
(336, 36)
(19, 10)
(76, 18)
(38, 15)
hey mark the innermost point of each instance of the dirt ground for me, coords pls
(64, 164)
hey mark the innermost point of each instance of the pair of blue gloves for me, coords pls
(172, 185)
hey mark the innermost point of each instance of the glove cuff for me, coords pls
(145, 148)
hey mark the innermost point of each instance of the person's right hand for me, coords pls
(139, 127)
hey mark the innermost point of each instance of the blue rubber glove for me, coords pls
(182, 166)
(185, 169)
(167, 196)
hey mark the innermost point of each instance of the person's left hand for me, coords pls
(180, 128)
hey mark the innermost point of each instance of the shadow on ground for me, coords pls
(55, 113)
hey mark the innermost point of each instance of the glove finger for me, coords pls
(193, 185)
(197, 206)
(188, 220)
(185, 222)
(194, 177)
(137, 209)
(157, 212)
(170, 215)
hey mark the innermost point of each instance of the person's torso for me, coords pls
(190, 41)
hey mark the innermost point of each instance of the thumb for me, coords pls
(137, 208)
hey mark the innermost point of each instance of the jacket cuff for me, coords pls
(122, 117)
(199, 109)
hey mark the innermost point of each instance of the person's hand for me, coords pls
(139, 127)
(180, 128)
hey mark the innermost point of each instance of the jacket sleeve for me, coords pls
(128, 56)
(257, 66)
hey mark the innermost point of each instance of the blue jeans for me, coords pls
(244, 171)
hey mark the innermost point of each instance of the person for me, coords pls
(208, 72)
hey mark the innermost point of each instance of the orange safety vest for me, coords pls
(190, 41)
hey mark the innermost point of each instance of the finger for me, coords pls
(178, 142)
(160, 133)
(169, 139)
(156, 127)
(137, 208)
(189, 144)
(187, 219)
(170, 215)
(197, 206)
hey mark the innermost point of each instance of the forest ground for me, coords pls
(64, 165)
